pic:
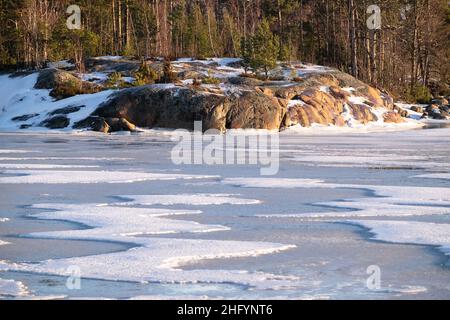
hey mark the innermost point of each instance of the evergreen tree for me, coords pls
(266, 47)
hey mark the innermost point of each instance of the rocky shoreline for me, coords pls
(295, 94)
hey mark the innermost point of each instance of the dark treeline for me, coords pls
(407, 55)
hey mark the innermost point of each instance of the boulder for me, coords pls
(439, 101)
(63, 84)
(156, 106)
(433, 108)
(190, 74)
(119, 124)
(254, 110)
(393, 117)
(245, 81)
(319, 107)
(402, 112)
(417, 109)
(444, 108)
(53, 78)
(93, 123)
(362, 113)
(58, 122)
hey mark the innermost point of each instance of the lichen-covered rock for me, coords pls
(52, 78)
(156, 106)
(317, 107)
(254, 110)
(326, 97)
(245, 81)
(393, 117)
(362, 113)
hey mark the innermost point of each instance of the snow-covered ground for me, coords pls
(136, 226)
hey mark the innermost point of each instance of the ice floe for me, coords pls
(187, 199)
(12, 289)
(159, 261)
(386, 201)
(41, 166)
(115, 222)
(88, 177)
(151, 259)
(410, 232)
(63, 159)
(3, 243)
(443, 176)
(7, 151)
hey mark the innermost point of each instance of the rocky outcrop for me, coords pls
(362, 113)
(66, 110)
(156, 106)
(316, 107)
(437, 112)
(256, 104)
(25, 117)
(326, 97)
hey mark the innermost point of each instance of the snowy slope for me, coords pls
(19, 98)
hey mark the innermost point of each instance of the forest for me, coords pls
(407, 54)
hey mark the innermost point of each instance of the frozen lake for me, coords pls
(134, 225)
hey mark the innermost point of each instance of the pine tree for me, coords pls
(266, 48)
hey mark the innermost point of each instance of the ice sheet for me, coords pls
(410, 232)
(41, 166)
(151, 259)
(386, 201)
(187, 199)
(85, 177)
(11, 288)
(111, 222)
